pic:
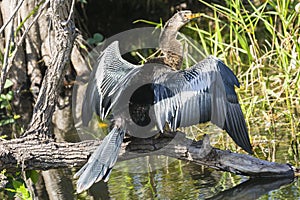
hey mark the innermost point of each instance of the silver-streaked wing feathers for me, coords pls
(204, 92)
(107, 82)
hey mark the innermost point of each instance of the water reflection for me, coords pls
(174, 179)
(252, 189)
(181, 180)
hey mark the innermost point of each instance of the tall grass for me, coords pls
(262, 45)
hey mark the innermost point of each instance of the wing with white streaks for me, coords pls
(106, 82)
(204, 92)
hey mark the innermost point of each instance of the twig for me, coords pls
(71, 12)
(12, 16)
(8, 62)
(33, 21)
(6, 53)
(26, 32)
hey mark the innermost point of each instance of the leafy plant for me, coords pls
(6, 114)
(16, 186)
(96, 39)
(20, 190)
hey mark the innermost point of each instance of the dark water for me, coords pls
(167, 178)
(182, 180)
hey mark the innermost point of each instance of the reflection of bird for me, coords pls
(204, 92)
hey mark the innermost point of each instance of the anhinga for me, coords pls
(201, 93)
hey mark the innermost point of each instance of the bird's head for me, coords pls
(169, 45)
(181, 18)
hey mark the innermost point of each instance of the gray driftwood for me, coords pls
(32, 152)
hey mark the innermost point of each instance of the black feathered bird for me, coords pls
(180, 98)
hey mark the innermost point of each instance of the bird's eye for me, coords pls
(183, 17)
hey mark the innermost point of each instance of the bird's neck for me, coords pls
(168, 41)
(171, 48)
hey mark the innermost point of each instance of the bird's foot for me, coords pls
(166, 134)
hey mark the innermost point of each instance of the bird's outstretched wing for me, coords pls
(204, 92)
(105, 86)
(107, 82)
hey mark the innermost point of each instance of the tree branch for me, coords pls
(35, 153)
(9, 37)
(12, 15)
(64, 29)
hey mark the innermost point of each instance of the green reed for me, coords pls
(261, 43)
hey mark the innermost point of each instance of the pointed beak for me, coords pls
(194, 15)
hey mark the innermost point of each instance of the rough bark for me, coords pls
(49, 37)
(64, 30)
(34, 153)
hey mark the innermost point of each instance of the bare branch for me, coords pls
(35, 153)
(28, 28)
(64, 38)
(8, 62)
(7, 51)
(12, 16)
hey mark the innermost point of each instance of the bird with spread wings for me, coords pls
(179, 98)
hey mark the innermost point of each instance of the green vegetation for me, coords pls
(16, 187)
(7, 116)
(96, 39)
(261, 43)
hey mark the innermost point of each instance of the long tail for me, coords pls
(100, 163)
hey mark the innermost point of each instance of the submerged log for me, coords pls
(31, 152)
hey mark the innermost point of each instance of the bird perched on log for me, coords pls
(204, 92)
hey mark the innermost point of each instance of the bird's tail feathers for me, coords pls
(100, 163)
